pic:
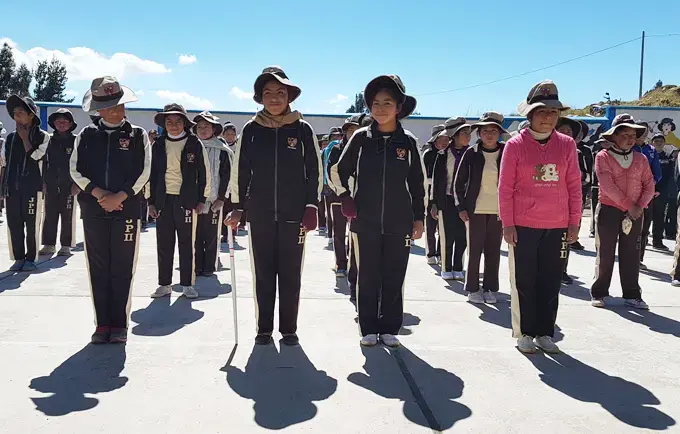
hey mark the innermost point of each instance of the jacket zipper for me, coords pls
(106, 171)
(276, 175)
(382, 205)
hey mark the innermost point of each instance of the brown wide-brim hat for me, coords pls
(173, 109)
(275, 73)
(573, 123)
(437, 132)
(639, 130)
(408, 103)
(24, 102)
(585, 130)
(543, 94)
(352, 120)
(453, 125)
(106, 92)
(491, 118)
(210, 118)
(65, 113)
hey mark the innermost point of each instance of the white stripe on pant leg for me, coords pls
(514, 296)
(40, 215)
(597, 244)
(9, 238)
(74, 208)
(219, 237)
(334, 229)
(442, 242)
(355, 241)
(303, 233)
(252, 270)
(467, 268)
(676, 252)
(128, 305)
(194, 222)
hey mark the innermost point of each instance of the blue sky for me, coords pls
(333, 48)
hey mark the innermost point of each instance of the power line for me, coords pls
(536, 70)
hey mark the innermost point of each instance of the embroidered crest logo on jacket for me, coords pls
(190, 157)
(401, 153)
(546, 173)
(292, 142)
(124, 144)
(68, 151)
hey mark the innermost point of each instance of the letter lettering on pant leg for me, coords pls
(301, 236)
(215, 218)
(565, 247)
(129, 230)
(31, 206)
(187, 216)
(69, 202)
(407, 241)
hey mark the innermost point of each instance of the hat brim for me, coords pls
(55, 115)
(217, 126)
(293, 90)
(91, 105)
(639, 131)
(408, 103)
(346, 125)
(524, 108)
(442, 133)
(477, 125)
(573, 124)
(15, 101)
(159, 119)
(453, 131)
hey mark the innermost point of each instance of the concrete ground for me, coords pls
(458, 368)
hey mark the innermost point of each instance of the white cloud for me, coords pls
(187, 59)
(71, 92)
(184, 98)
(240, 94)
(139, 92)
(83, 63)
(338, 99)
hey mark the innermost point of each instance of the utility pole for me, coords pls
(642, 62)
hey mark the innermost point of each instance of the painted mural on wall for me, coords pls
(664, 121)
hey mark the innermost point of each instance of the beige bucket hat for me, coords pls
(543, 94)
(491, 118)
(106, 92)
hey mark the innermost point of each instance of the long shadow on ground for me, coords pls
(428, 393)
(161, 318)
(629, 402)
(92, 370)
(655, 322)
(283, 385)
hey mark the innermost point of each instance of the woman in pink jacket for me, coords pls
(539, 194)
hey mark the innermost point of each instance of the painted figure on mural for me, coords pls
(667, 127)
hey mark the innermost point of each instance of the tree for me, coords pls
(50, 81)
(20, 81)
(6, 70)
(359, 105)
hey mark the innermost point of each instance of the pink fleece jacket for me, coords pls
(540, 185)
(621, 187)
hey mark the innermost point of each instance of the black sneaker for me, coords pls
(660, 246)
(577, 246)
(262, 339)
(290, 340)
(353, 295)
(566, 279)
(118, 336)
(100, 336)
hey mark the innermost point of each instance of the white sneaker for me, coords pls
(189, 292)
(675, 282)
(447, 275)
(458, 275)
(64, 251)
(546, 344)
(390, 340)
(598, 302)
(162, 291)
(489, 297)
(526, 345)
(369, 340)
(432, 260)
(637, 304)
(48, 250)
(476, 297)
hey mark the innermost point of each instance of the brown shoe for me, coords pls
(118, 336)
(100, 335)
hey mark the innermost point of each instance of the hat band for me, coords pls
(453, 127)
(105, 98)
(495, 121)
(540, 98)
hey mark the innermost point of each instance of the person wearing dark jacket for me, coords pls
(209, 225)
(585, 164)
(666, 189)
(22, 182)
(110, 163)
(277, 175)
(338, 220)
(59, 187)
(452, 231)
(430, 154)
(386, 205)
(476, 196)
(180, 184)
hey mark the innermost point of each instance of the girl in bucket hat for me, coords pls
(22, 182)
(277, 177)
(220, 157)
(434, 147)
(180, 185)
(59, 187)
(476, 198)
(539, 195)
(386, 205)
(452, 232)
(626, 188)
(110, 163)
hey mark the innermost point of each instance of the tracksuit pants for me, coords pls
(431, 234)
(174, 219)
(144, 208)
(352, 273)
(609, 232)
(339, 223)
(675, 272)
(208, 230)
(277, 250)
(111, 249)
(329, 217)
(659, 218)
(24, 213)
(452, 238)
(322, 213)
(485, 233)
(536, 264)
(594, 200)
(382, 260)
(646, 224)
(671, 223)
(59, 205)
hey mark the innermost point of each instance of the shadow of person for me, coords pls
(12, 281)
(210, 287)
(92, 370)
(656, 323)
(498, 313)
(408, 321)
(657, 275)
(576, 290)
(428, 393)
(417, 250)
(160, 318)
(283, 385)
(341, 286)
(629, 402)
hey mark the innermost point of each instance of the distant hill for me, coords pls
(662, 96)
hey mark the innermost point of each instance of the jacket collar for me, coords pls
(372, 131)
